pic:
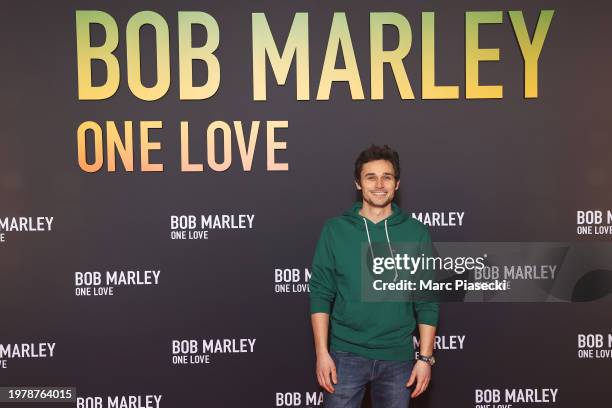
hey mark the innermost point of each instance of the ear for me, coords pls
(397, 185)
(357, 185)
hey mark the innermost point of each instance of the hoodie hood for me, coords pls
(397, 216)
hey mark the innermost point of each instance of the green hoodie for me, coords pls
(377, 330)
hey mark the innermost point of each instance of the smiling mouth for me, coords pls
(379, 193)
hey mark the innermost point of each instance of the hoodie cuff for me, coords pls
(320, 306)
(429, 317)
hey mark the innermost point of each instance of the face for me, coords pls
(378, 183)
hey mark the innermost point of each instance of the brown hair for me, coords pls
(375, 152)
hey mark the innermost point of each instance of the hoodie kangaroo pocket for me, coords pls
(355, 315)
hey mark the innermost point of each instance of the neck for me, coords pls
(375, 214)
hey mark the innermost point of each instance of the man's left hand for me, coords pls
(421, 372)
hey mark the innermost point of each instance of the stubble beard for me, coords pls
(379, 204)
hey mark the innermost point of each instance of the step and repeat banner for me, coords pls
(166, 169)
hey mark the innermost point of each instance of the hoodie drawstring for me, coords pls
(369, 241)
(388, 242)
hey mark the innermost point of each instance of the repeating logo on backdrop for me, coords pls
(446, 342)
(120, 401)
(10, 352)
(304, 399)
(98, 283)
(440, 218)
(593, 346)
(24, 224)
(515, 397)
(291, 280)
(594, 223)
(203, 351)
(192, 227)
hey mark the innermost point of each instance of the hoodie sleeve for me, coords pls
(322, 281)
(427, 312)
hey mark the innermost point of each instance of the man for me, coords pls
(370, 342)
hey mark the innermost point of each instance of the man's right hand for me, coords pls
(326, 372)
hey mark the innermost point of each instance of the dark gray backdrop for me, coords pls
(519, 169)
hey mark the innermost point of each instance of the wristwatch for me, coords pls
(431, 360)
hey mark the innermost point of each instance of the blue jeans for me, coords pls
(388, 382)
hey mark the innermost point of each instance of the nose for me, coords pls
(379, 182)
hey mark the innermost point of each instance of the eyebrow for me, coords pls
(384, 174)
